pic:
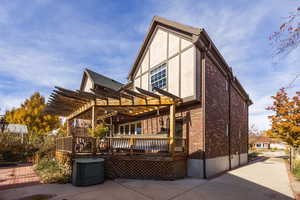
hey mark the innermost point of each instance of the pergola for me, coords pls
(104, 102)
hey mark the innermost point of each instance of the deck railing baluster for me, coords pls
(129, 144)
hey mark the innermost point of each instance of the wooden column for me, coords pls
(93, 119)
(172, 127)
(69, 132)
(93, 129)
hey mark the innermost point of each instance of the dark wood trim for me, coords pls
(203, 102)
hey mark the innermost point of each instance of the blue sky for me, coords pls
(49, 42)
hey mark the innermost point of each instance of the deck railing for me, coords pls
(126, 144)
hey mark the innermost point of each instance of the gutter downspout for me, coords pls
(229, 121)
(203, 71)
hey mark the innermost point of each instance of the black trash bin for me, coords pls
(88, 171)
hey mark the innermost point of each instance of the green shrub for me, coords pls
(296, 170)
(13, 149)
(50, 171)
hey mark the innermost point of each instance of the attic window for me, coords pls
(158, 77)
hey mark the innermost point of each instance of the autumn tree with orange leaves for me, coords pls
(286, 118)
(287, 38)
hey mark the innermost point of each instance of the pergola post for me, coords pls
(69, 132)
(93, 130)
(93, 119)
(172, 128)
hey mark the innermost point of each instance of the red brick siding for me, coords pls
(236, 109)
(193, 127)
(216, 112)
(239, 123)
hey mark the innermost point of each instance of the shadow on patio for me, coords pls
(243, 183)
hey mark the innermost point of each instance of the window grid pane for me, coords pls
(159, 77)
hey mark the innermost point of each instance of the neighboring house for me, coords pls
(18, 129)
(263, 142)
(213, 115)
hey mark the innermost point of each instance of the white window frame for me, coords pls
(129, 132)
(163, 66)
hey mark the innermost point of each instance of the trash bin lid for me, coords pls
(88, 160)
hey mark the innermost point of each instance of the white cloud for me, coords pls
(241, 36)
(55, 53)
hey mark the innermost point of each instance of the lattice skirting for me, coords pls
(160, 168)
(169, 169)
(63, 158)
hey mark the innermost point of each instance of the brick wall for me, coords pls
(216, 108)
(239, 124)
(217, 115)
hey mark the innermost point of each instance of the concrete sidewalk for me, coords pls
(264, 180)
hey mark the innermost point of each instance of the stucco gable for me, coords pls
(156, 35)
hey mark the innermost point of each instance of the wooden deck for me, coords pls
(145, 157)
(122, 145)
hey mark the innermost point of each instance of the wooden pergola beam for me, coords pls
(74, 103)
(95, 96)
(167, 94)
(81, 110)
(104, 94)
(145, 92)
(70, 96)
(63, 98)
(78, 94)
(133, 93)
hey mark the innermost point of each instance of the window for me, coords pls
(258, 145)
(134, 128)
(138, 129)
(127, 129)
(159, 77)
(121, 129)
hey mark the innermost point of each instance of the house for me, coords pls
(182, 104)
(263, 142)
(17, 129)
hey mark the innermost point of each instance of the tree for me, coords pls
(253, 130)
(287, 38)
(31, 114)
(286, 119)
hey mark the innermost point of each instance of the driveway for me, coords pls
(263, 180)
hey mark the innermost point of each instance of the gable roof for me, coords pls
(188, 31)
(199, 38)
(99, 79)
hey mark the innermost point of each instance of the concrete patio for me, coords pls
(17, 176)
(264, 180)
